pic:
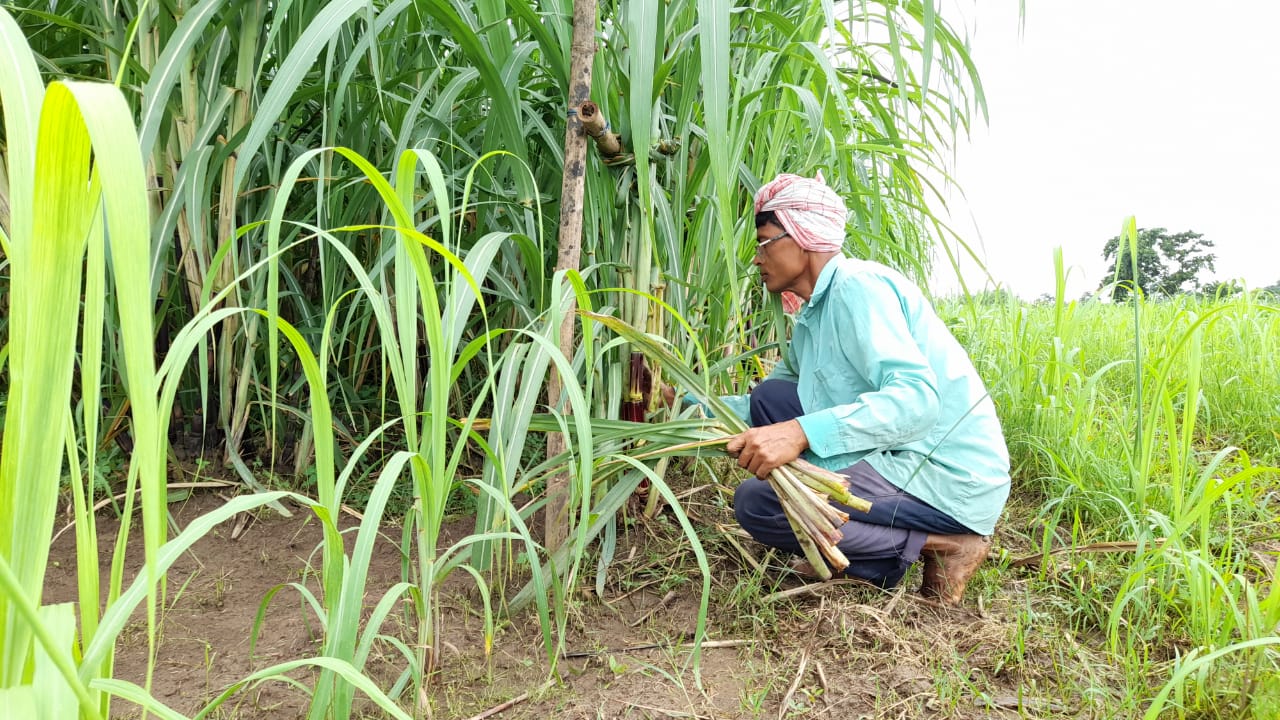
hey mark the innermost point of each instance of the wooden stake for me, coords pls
(582, 54)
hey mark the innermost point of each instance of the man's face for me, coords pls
(778, 258)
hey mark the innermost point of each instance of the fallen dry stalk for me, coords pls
(811, 588)
(665, 601)
(1034, 561)
(512, 702)
(705, 644)
(785, 705)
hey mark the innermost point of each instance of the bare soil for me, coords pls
(837, 650)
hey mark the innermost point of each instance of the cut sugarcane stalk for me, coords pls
(811, 551)
(821, 486)
(839, 490)
(806, 514)
(802, 492)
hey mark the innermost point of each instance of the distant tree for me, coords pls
(1167, 263)
(1221, 288)
(998, 296)
(1273, 289)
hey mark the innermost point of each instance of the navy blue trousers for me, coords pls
(880, 544)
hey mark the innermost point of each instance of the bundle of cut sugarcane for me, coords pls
(802, 487)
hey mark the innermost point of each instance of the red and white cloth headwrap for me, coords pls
(811, 213)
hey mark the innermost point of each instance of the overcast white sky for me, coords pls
(1167, 110)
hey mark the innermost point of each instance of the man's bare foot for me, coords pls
(949, 562)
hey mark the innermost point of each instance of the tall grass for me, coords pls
(1172, 448)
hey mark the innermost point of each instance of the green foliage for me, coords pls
(377, 181)
(1222, 288)
(1176, 453)
(999, 296)
(1167, 264)
(710, 98)
(333, 224)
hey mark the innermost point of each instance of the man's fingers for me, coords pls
(758, 466)
(735, 445)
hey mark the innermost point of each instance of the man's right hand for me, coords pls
(761, 450)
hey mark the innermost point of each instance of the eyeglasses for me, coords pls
(760, 246)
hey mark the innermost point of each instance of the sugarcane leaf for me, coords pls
(165, 71)
(290, 76)
(674, 366)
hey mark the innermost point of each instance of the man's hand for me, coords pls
(669, 395)
(762, 449)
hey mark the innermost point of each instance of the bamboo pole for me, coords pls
(582, 54)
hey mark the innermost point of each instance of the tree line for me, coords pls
(1167, 264)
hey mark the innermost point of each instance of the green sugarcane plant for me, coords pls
(708, 98)
(802, 488)
(62, 142)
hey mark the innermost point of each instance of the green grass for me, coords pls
(1184, 468)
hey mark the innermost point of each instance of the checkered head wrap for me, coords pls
(811, 213)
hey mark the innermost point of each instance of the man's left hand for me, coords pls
(762, 449)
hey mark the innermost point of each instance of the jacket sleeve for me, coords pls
(741, 404)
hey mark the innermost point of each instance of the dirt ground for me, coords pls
(778, 648)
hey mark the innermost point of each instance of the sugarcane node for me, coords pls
(594, 124)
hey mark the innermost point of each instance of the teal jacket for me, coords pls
(882, 379)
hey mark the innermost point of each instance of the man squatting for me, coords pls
(876, 388)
